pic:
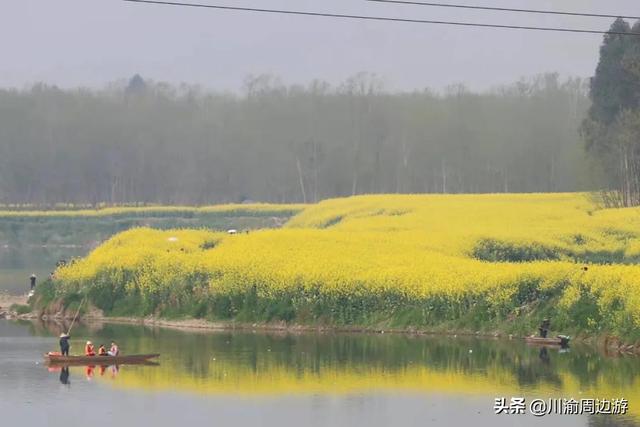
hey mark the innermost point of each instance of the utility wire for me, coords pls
(503, 9)
(380, 18)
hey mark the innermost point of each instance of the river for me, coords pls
(259, 379)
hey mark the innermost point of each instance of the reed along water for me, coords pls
(275, 380)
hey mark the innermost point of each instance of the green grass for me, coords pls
(20, 309)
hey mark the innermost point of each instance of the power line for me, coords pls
(504, 9)
(380, 18)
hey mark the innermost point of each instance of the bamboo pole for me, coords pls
(76, 316)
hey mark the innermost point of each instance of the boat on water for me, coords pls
(133, 359)
(560, 340)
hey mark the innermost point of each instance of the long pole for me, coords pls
(76, 316)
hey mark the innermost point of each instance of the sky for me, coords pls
(90, 43)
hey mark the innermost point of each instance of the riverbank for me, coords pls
(8, 304)
(493, 264)
(605, 343)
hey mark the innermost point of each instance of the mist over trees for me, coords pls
(612, 128)
(146, 142)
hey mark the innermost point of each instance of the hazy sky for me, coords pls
(93, 42)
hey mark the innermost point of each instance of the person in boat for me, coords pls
(114, 350)
(102, 351)
(544, 327)
(64, 344)
(89, 350)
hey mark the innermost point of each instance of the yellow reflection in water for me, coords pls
(228, 378)
(248, 365)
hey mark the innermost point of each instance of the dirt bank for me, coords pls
(6, 301)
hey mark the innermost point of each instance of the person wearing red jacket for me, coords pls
(89, 350)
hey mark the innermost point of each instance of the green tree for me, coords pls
(610, 87)
(611, 130)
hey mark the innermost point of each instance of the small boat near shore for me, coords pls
(560, 340)
(134, 359)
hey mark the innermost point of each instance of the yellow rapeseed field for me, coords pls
(418, 260)
(254, 208)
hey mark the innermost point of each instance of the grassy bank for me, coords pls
(466, 262)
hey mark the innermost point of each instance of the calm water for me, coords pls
(255, 379)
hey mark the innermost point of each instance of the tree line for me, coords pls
(612, 127)
(140, 141)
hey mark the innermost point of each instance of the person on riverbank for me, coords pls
(89, 350)
(102, 351)
(33, 279)
(544, 327)
(114, 351)
(64, 344)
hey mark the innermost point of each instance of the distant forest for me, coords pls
(140, 141)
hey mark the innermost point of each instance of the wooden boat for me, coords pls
(560, 340)
(139, 359)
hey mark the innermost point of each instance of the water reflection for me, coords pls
(288, 379)
(90, 371)
(248, 364)
(64, 376)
